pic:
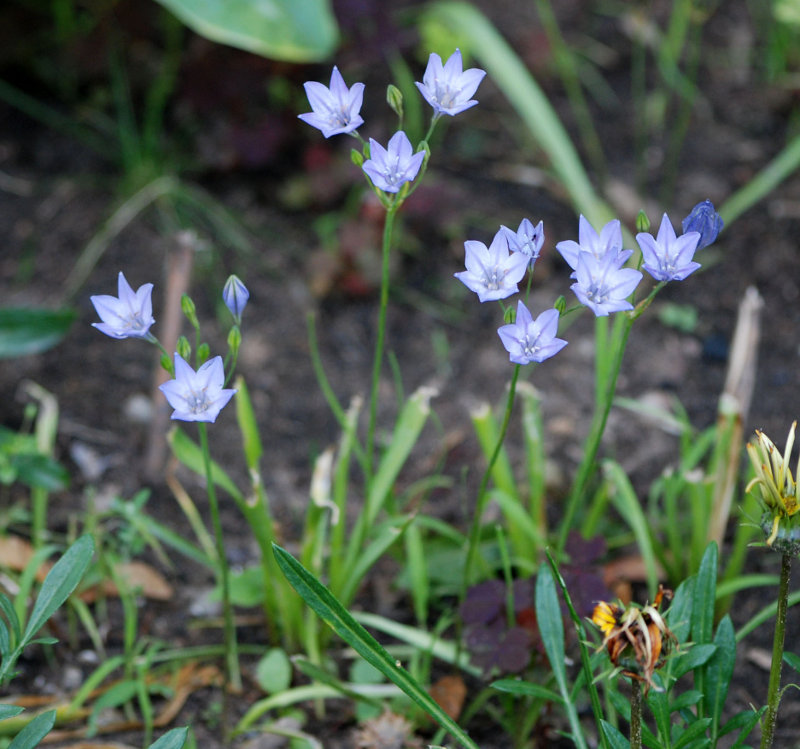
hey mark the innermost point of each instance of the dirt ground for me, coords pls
(314, 248)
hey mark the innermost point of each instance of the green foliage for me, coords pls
(26, 331)
(291, 30)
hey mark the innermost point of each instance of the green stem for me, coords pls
(636, 714)
(774, 690)
(388, 226)
(592, 446)
(483, 494)
(233, 679)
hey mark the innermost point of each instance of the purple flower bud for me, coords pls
(235, 296)
(705, 220)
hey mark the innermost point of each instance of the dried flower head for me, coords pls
(777, 484)
(634, 637)
(387, 731)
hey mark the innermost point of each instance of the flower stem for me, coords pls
(388, 226)
(636, 714)
(587, 466)
(774, 689)
(483, 494)
(233, 679)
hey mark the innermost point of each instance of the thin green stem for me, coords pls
(592, 445)
(377, 363)
(483, 494)
(233, 679)
(774, 689)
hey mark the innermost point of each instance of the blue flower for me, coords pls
(446, 88)
(703, 219)
(197, 396)
(527, 239)
(336, 109)
(390, 168)
(493, 272)
(602, 284)
(667, 257)
(528, 340)
(129, 315)
(598, 245)
(235, 296)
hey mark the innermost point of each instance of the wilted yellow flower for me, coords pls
(640, 632)
(774, 478)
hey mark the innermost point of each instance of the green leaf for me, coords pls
(694, 657)
(319, 598)
(274, 671)
(8, 640)
(719, 672)
(527, 688)
(693, 732)
(9, 711)
(31, 331)
(703, 599)
(35, 731)
(62, 579)
(40, 471)
(173, 739)
(744, 722)
(551, 629)
(792, 660)
(292, 30)
(613, 736)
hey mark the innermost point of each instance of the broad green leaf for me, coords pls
(31, 331)
(35, 731)
(679, 616)
(687, 699)
(319, 598)
(292, 30)
(62, 579)
(173, 739)
(719, 672)
(40, 471)
(527, 688)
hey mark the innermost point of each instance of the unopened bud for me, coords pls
(394, 98)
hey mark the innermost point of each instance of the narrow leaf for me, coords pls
(339, 619)
(173, 739)
(35, 731)
(62, 579)
(31, 331)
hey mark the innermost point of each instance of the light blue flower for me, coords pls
(336, 108)
(598, 245)
(235, 296)
(602, 284)
(706, 220)
(448, 88)
(528, 340)
(493, 272)
(667, 257)
(390, 168)
(197, 396)
(129, 315)
(527, 239)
